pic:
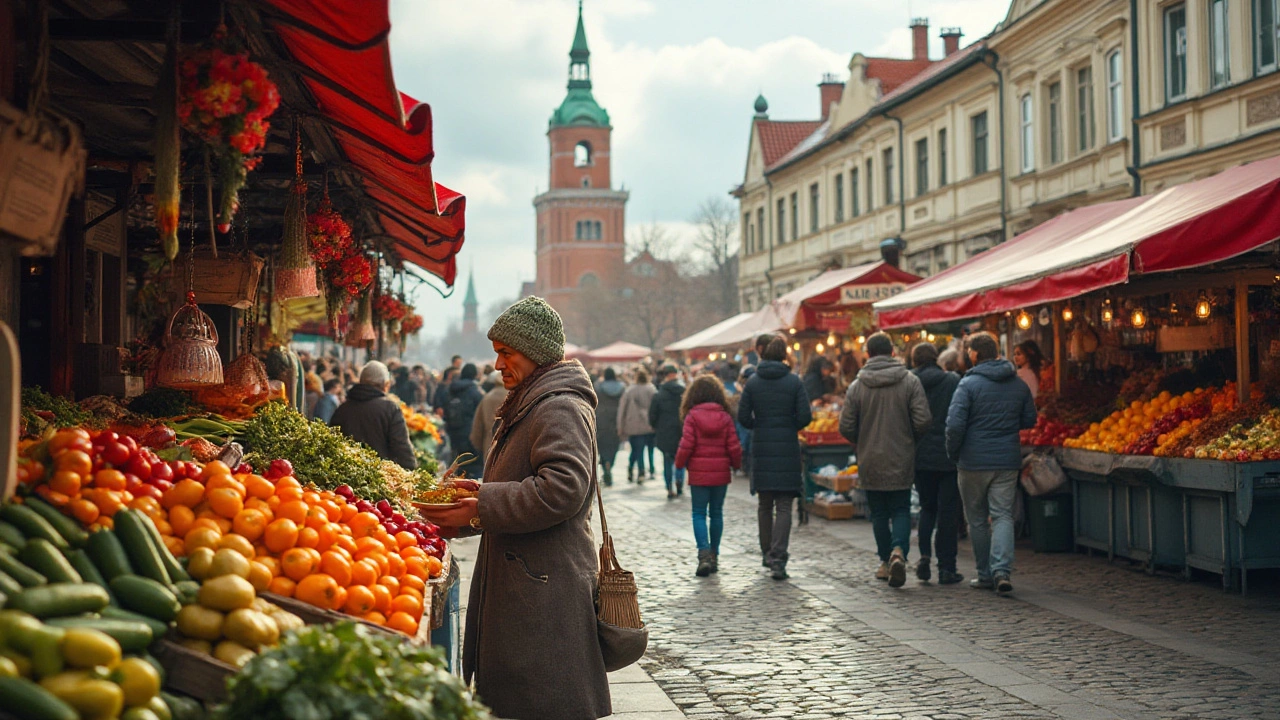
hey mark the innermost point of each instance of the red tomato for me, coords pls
(151, 491)
(162, 485)
(161, 471)
(130, 443)
(132, 482)
(139, 466)
(179, 470)
(104, 437)
(117, 454)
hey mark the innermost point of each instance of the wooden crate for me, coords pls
(832, 511)
(837, 483)
(313, 615)
(201, 676)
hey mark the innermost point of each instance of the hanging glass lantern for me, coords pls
(1024, 320)
(1203, 308)
(190, 358)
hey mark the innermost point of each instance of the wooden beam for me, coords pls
(1242, 340)
(95, 30)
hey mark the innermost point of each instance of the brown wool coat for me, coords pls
(531, 619)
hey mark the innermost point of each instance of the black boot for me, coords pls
(715, 562)
(608, 474)
(704, 563)
(778, 570)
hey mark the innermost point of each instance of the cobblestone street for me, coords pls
(1080, 638)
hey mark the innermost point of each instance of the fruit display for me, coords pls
(1049, 432)
(825, 420)
(1257, 438)
(425, 437)
(1137, 428)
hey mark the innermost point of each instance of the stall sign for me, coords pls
(858, 294)
(838, 321)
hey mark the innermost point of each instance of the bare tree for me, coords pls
(653, 239)
(717, 247)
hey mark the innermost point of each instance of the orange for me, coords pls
(368, 545)
(289, 494)
(346, 542)
(339, 598)
(250, 523)
(407, 604)
(390, 583)
(201, 522)
(175, 544)
(380, 559)
(375, 617)
(217, 467)
(395, 565)
(310, 497)
(308, 537)
(282, 586)
(331, 510)
(434, 566)
(360, 600)
(410, 591)
(162, 526)
(202, 537)
(185, 492)
(67, 482)
(273, 503)
(105, 523)
(315, 556)
(412, 551)
(319, 590)
(239, 543)
(348, 512)
(76, 461)
(288, 481)
(280, 535)
(362, 524)
(336, 566)
(146, 504)
(261, 506)
(226, 502)
(409, 582)
(381, 598)
(109, 502)
(328, 535)
(403, 622)
(107, 479)
(294, 510)
(416, 567)
(84, 511)
(224, 524)
(260, 576)
(256, 486)
(226, 481)
(296, 564)
(364, 572)
(269, 563)
(405, 539)
(316, 517)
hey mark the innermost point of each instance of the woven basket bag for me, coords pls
(623, 636)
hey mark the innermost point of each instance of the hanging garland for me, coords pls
(411, 324)
(345, 269)
(224, 98)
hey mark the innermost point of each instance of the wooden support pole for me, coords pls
(1242, 340)
(1058, 355)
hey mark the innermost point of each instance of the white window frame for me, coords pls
(1261, 31)
(1054, 110)
(1027, 132)
(1115, 95)
(838, 193)
(985, 145)
(1086, 131)
(1219, 44)
(922, 166)
(1174, 52)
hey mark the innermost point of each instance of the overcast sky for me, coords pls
(678, 78)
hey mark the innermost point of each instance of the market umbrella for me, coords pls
(619, 352)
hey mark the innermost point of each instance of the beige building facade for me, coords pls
(941, 159)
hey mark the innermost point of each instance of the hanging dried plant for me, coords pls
(168, 147)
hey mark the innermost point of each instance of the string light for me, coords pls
(931, 337)
(1067, 314)
(795, 346)
(1107, 313)
(1203, 308)
(831, 340)
(792, 331)
(861, 339)
(1138, 318)
(819, 348)
(1024, 320)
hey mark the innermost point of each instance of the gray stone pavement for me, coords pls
(1081, 638)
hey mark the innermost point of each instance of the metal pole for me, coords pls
(1242, 341)
(1057, 349)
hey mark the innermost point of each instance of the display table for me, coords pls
(814, 456)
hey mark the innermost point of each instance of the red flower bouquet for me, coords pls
(351, 275)
(411, 325)
(390, 308)
(329, 235)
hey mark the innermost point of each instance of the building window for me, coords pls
(1175, 53)
(587, 230)
(871, 195)
(979, 124)
(588, 280)
(839, 197)
(922, 166)
(763, 229)
(888, 176)
(1027, 130)
(813, 208)
(855, 208)
(942, 157)
(1219, 56)
(1265, 32)
(582, 154)
(782, 221)
(1055, 123)
(795, 215)
(749, 236)
(1115, 96)
(1084, 109)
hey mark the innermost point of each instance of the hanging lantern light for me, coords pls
(190, 358)
(795, 346)
(1138, 318)
(820, 348)
(792, 331)
(831, 340)
(1203, 308)
(1024, 320)
(1067, 314)
(862, 339)
(1108, 314)
(931, 337)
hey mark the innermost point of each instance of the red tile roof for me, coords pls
(933, 71)
(777, 137)
(892, 72)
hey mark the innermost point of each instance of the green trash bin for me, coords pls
(1051, 526)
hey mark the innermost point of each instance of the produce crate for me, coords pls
(832, 511)
(822, 438)
(201, 676)
(439, 587)
(838, 483)
(313, 615)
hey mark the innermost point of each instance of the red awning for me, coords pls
(340, 47)
(1185, 226)
(800, 307)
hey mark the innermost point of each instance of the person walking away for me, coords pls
(314, 388)
(1028, 359)
(775, 408)
(329, 401)
(372, 417)
(403, 387)
(441, 396)
(633, 424)
(608, 401)
(885, 410)
(744, 435)
(460, 411)
(989, 408)
(534, 585)
(486, 414)
(664, 416)
(710, 451)
(935, 472)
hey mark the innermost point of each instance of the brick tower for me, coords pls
(581, 218)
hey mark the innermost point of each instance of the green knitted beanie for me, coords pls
(533, 327)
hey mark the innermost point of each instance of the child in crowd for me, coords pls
(709, 448)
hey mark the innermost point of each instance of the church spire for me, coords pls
(579, 106)
(470, 307)
(580, 57)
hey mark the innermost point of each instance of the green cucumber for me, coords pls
(8, 585)
(23, 574)
(131, 634)
(137, 543)
(177, 573)
(79, 560)
(31, 524)
(182, 707)
(158, 629)
(68, 527)
(40, 555)
(59, 600)
(188, 591)
(108, 554)
(146, 596)
(28, 701)
(11, 535)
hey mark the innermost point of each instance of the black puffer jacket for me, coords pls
(939, 386)
(774, 405)
(370, 417)
(664, 417)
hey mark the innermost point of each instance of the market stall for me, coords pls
(1160, 313)
(618, 352)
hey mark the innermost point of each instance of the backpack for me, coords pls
(455, 414)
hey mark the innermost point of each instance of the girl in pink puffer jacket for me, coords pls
(709, 449)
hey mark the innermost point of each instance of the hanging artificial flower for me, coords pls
(224, 98)
(328, 234)
(411, 324)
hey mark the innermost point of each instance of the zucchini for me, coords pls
(31, 524)
(182, 707)
(108, 554)
(11, 535)
(40, 555)
(146, 596)
(79, 560)
(27, 577)
(177, 572)
(158, 629)
(8, 585)
(66, 526)
(28, 701)
(132, 635)
(59, 600)
(188, 591)
(138, 546)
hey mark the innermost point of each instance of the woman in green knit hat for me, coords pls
(534, 585)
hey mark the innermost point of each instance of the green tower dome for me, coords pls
(762, 105)
(579, 106)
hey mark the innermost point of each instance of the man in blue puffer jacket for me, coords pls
(989, 408)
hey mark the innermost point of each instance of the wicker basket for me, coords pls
(229, 279)
(295, 283)
(190, 358)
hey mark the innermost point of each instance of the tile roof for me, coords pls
(892, 72)
(808, 143)
(931, 72)
(778, 137)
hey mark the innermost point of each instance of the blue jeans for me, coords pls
(638, 445)
(672, 474)
(990, 494)
(890, 512)
(708, 500)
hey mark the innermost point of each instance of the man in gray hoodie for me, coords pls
(885, 411)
